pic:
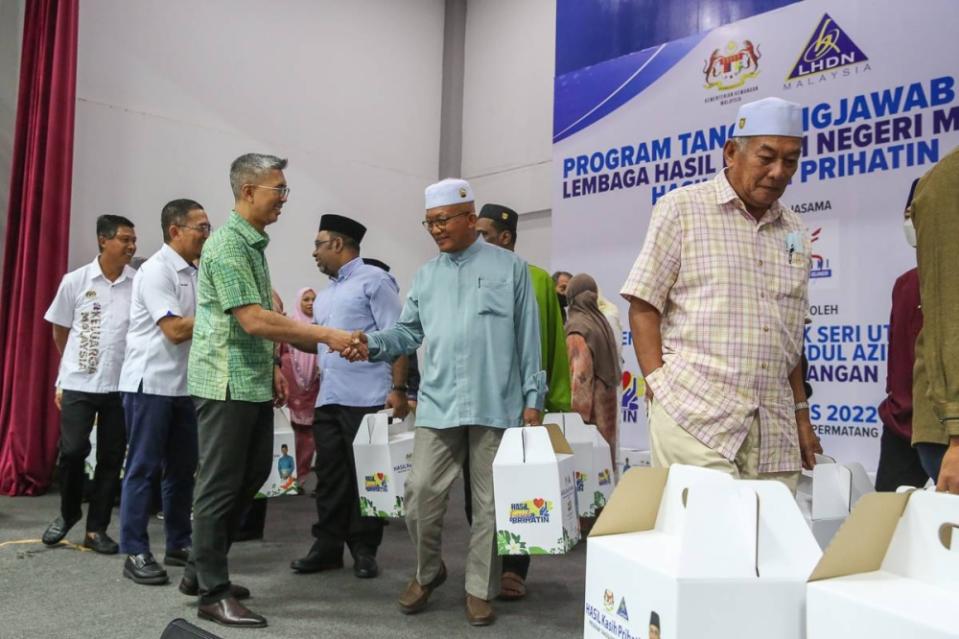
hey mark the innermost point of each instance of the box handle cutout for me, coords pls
(948, 532)
(684, 495)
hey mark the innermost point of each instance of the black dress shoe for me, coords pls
(100, 542)
(230, 612)
(364, 567)
(317, 560)
(57, 530)
(191, 588)
(176, 557)
(143, 569)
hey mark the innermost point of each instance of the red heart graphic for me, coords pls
(380, 476)
(539, 502)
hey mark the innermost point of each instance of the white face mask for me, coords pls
(910, 231)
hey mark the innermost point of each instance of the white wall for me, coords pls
(11, 30)
(169, 93)
(508, 112)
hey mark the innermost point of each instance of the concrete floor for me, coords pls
(63, 592)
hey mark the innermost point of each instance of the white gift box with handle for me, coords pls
(383, 450)
(592, 459)
(891, 571)
(696, 554)
(534, 492)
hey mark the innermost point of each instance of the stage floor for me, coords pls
(65, 593)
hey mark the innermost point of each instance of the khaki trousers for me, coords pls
(438, 456)
(672, 444)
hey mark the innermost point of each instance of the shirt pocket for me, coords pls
(791, 276)
(495, 297)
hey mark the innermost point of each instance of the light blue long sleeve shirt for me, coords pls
(477, 313)
(360, 298)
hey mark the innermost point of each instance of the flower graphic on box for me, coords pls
(376, 483)
(532, 511)
(368, 509)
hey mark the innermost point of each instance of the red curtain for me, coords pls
(37, 241)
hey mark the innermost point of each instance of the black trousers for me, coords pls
(517, 564)
(899, 464)
(236, 454)
(338, 519)
(78, 411)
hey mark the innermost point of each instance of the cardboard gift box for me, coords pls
(383, 450)
(534, 492)
(827, 494)
(697, 554)
(282, 479)
(592, 460)
(891, 571)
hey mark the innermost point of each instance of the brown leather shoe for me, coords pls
(414, 598)
(230, 612)
(478, 611)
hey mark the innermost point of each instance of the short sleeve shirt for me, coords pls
(733, 296)
(233, 273)
(97, 312)
(164, 286)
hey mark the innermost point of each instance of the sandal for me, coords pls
(512, 587)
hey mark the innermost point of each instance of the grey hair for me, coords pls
(741, 142)
(250, 166)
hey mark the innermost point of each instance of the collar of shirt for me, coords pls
(725, 194)
(256, 239)
(95, 271)
(175, 259)
(466, 254)
(347, 269)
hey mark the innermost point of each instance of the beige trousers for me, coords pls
(671, 444)
(438, 455)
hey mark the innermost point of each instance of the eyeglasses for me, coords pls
(202, 228)
(282, 191)
(440, 222)
(320, 243)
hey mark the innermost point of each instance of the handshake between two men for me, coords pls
(356, 349)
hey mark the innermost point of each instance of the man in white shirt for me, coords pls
(90, 315)
(160, 417)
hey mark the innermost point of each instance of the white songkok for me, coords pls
(769, 116)
(448, 192)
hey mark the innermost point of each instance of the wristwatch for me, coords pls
(399, 387)
(801, 406)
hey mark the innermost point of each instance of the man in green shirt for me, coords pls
(497, 224)
(234, 381)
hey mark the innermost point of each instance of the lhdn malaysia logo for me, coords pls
(732, 70)
(376, 483)
(828, 48)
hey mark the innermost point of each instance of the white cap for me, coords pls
(769, 116)
(447, 192)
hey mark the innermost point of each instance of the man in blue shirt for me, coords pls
(284, 465)
(360, 297)
(481, 373)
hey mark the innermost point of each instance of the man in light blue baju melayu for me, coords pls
(474, 308)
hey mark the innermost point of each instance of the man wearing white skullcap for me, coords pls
(717, 298)
(474, 306)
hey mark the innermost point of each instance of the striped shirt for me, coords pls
(233, 273)
(733, 295)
